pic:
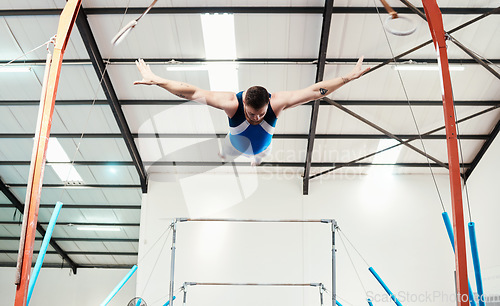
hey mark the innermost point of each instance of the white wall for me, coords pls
(395, 224)
(56, 287)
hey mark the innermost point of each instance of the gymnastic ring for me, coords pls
(400, 33)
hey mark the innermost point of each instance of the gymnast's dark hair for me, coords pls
(257, 97)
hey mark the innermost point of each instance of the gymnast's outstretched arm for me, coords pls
(225, 101)
(287, 99)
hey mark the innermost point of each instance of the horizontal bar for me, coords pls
(237, 10)
(221, 135)
(82, 206)
(10, 238)
(255, 220)
(322, 103)
(254, 284)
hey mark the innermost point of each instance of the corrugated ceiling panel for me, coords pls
(193, 118)
(96, 149)
(76, 82)
(437, 149)
(10, 230)
(26, 4)
(273, 77)
(288, 150)
(399, 119)
(126, 260)
(83, 119)
(370, 39)
(294, 120)
(10, 245)
(385, 83)
(14, 174)
(479, 37)
(180, 36)
(3, 200)
(20, 86)
(277, 35)
(51, 258)
(7, 257)
(123, 77)
(16, 149)
(342, 150)
(123, 196)
(29, 32)
(276, 77)
(66, 215)
(73, 232)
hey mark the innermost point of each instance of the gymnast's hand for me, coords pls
(148, 77)
(357, 71)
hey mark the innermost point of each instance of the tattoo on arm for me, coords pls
(323, 91)
(180, 95)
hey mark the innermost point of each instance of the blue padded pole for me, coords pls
(369, 302)
(475, 260)
(139, 301)
(449, 230)
(338, 303)
(168, 302)
(43, 250)
(119, 286)
(379, 279)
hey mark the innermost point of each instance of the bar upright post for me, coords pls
(172, 262)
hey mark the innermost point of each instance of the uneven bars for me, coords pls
(257, 220)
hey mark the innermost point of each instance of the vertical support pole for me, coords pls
(43, 250)
(172, 262)
(321, 290)
(334, 267)
(449, 230)
(119, 286)
(475, 260)
(35, 180)
(185, 297)
(435, 21)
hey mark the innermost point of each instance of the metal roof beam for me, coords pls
(100, 69)
(245, 61)
(320, 72)
(220, 135)
(415, 103)
(482, 151)
(20, 207)
(236, 10)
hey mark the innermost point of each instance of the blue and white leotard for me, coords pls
(247, 138)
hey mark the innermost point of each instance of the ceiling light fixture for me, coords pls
(220, 43)
(387, 158)
(61, 163)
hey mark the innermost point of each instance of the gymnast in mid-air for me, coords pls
(252, 113)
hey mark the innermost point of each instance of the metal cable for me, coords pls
(411, 109)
